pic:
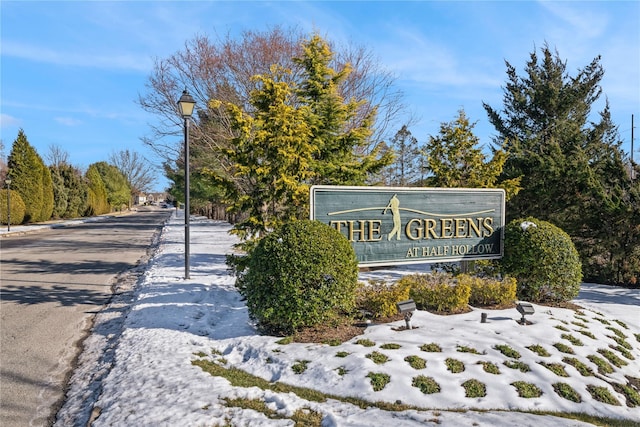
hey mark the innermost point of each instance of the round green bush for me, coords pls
(303, 274)
(18, 208)
(543, 259)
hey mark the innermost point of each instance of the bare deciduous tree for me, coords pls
(57, 156)
(140, 174)
(222, 70)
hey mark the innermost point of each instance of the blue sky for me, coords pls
(71, 71)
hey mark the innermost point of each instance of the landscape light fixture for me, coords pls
(186, 104)
(525, 309)
(8, 182)
(407, 308)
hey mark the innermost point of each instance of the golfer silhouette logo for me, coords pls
(394, 205)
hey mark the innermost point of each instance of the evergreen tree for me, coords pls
(47, 193)
(573, 172)
(455, 159)
(25, 171)
(97, 203)
(60, 193)
(116, 185)
(340, 157)
(407, 168)
(77, 187)
(272, 154)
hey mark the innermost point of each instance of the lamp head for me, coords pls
(186, 104)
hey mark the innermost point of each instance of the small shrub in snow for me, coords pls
(543, 259)
(301, 275)
(426, 385)
(378, 380)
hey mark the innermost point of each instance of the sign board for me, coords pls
(389, 225)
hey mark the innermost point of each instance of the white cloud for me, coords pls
(126, 61)
(7, 121)
(68, 121)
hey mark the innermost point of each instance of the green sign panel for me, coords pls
(412, 225)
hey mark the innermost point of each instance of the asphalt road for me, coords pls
(52, 283)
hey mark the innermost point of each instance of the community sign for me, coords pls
(388, 226)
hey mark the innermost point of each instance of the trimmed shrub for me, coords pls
(437, 291)
(489, 291)
(17, 207)
(301, 275)
(380, 298)
(543, 259)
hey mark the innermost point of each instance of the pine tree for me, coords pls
(340, 156)
(116, 185)
(407, 167)
(455, 159)
(47, 193)
(97, 203)
(573, 171)
(272, 155)
(25, 171)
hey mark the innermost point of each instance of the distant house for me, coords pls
(140, 199)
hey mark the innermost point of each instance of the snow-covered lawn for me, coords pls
(137, 366)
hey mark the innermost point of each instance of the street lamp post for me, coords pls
(8, 182)
(186, 104)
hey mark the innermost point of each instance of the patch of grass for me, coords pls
(305, 417)
(300, 366)
(301, 417)
(426, 385)
(563, 348)
(602, 394)
(365, 342)
(285, 341)
(603, 321)
(617, 331)
(566, 391)
(465, 349)
(333, 342)
(631, 395)
(527, 390)
(626, 353)
(379, 380)
(474, 388)
(507, 351)
(621, 341)
(556, 368)
(612, 358)
(416, 362)
(573, 340)
(513, 364)
(637, 337)
(342, 370)
(342, 354)
(584, 370)
(603, 366)
(454, 366)
(539, 350)
(580, 324)
(562, 328)
(200, 354)
(490, 368)
(390, 346)
(431, 348)
(587, 334)
(377, 357)
(621, 323)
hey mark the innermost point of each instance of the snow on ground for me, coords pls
(137, 367)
